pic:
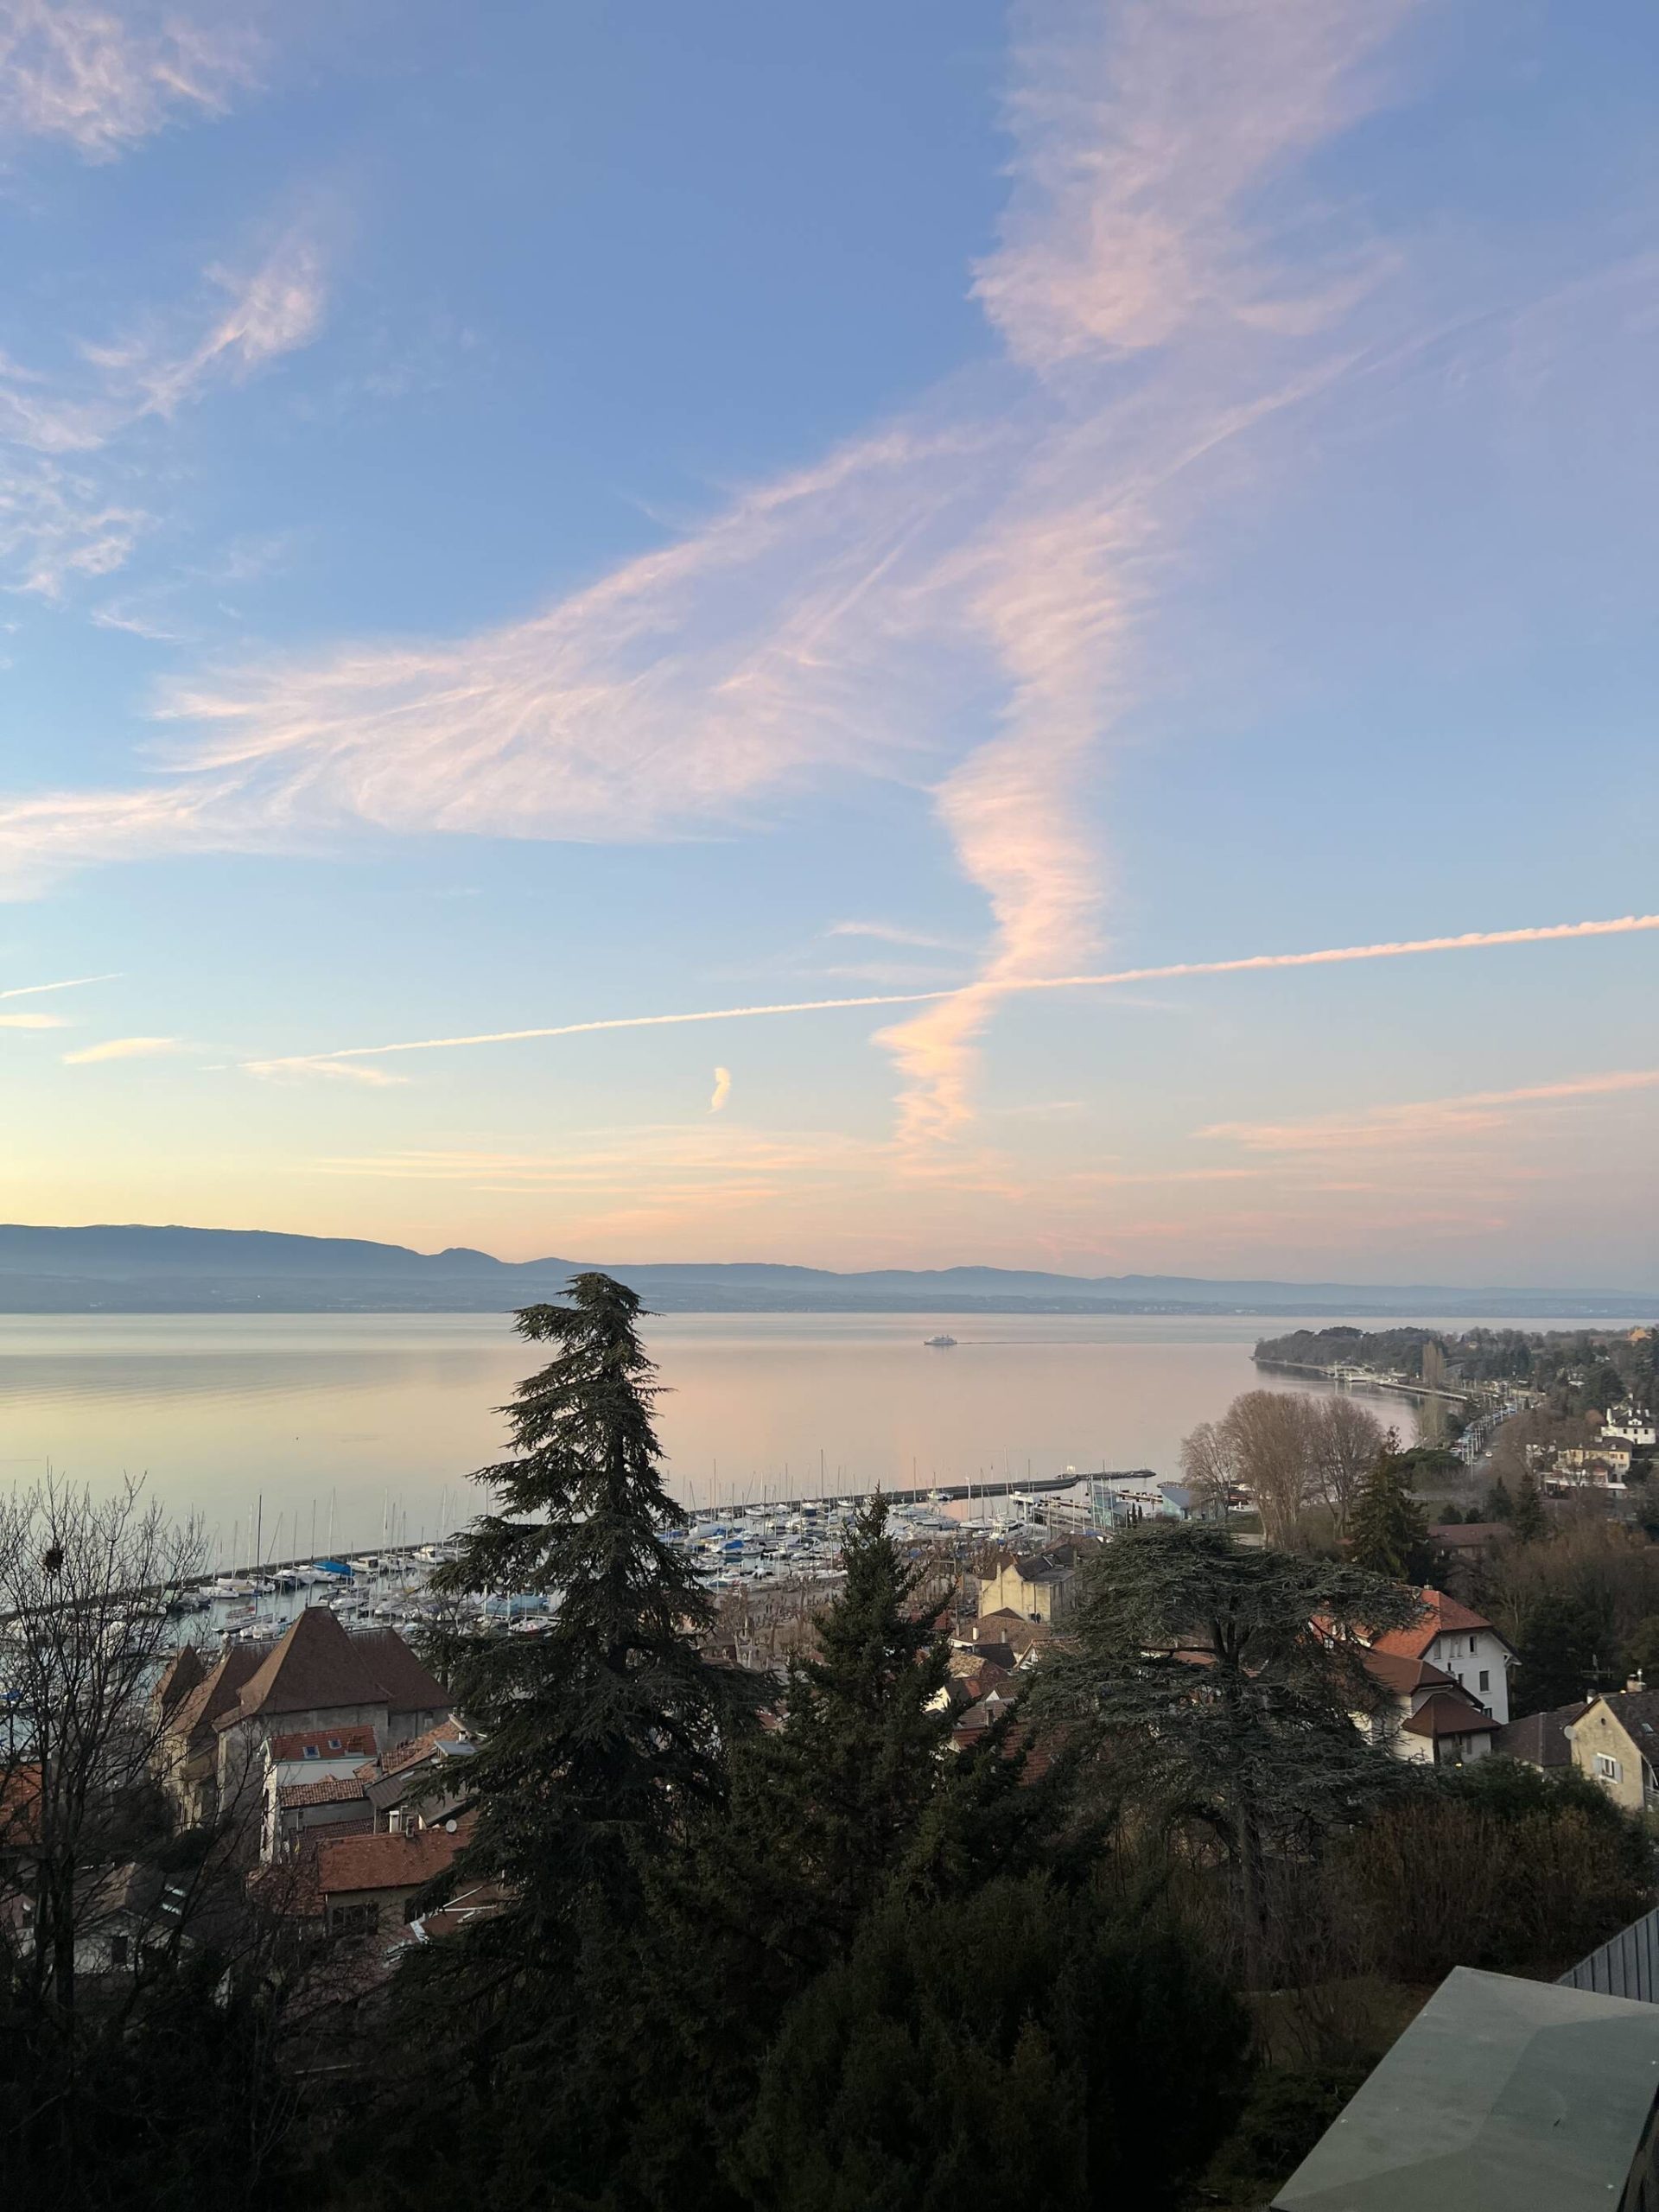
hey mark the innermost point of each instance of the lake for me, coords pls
(371, 1417)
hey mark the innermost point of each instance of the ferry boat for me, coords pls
(939, 1344)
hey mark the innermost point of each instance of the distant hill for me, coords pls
(143, 1270)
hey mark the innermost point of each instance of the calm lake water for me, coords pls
(373, 1415)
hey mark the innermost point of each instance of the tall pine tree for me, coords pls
(1529, 1519)
(825, 1809)
(601, 1730)
(855, 1765)
(1387, 1531)
(525, 2049)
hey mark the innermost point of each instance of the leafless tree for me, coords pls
(1345, 1441)
(85, 1584)
(1268, 1435)
(1209, 1463)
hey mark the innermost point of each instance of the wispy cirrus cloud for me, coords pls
(67, 983)
(102, 79)
(991, 561)
(1382, 1128)
(62, 517)
(33, 1022)
(123, 1048)
(838, 620)
(1009, 986)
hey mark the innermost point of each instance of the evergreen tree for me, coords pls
(1529, 1519)
(1559, 1645)
(965, 2049)
(825, 1812)
(527, 2043)
(1499, 1505)
(1255, 1745)
(855, 1764)
(601, 1730)
(1387, 1532)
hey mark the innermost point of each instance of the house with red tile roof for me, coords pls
(1462, 1644)
(1422, 1713)
(317, 1678)
(365, 1882)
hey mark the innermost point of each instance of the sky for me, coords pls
(767, 633)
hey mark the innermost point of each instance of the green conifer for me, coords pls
(601, 1731)
(1387, 1531)
(1529, 1520)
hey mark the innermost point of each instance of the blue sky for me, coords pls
(523, 519)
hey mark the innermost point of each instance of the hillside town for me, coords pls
(329, 1828)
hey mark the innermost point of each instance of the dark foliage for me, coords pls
(1564, 1653)
(968, 2047)
(1219, 1685)
(602, 1731)
(1387, 1531)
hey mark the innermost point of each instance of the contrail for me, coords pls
(1472, 940)
(71, 984)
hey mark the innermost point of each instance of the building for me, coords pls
(315, 1676)
(427, 1781)
(1463, 1644)
(366, 1882)
(1502, 2095)
(1542, 1739)
(311, 1784)
(1040, 1586)
(1424, 1714)
(1629, 1425)
(1615, 1741)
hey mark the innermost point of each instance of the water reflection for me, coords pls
(374, 1413)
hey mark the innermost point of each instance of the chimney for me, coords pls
(1635, 1681)
(395, 1820)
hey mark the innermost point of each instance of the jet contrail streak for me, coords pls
(1472, 940)
(71, 984)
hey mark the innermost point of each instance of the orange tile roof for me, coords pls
(337, 1790)
(1440, 1616)
(386, 1862)
(352, 1742)
(1401, 1676)
(418, 1747)
(1446, 1714)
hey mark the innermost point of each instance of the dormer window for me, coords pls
(334, 1741)
(310, 1752)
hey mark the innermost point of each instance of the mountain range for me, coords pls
(134, 1269)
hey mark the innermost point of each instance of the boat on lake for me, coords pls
(939, 1344)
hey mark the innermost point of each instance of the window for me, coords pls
(310, 1752)
(1609, 1768)
(117, 1951)
(353, 1919)
(1485, 1678)
(334, 1742)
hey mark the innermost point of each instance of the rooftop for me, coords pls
(334, 1789)
(385, 1862)
(317, 1665)
(352, 1741)
(1441, 1616)
(1501, 2096)
(1540, 1738)
(1449, 1713)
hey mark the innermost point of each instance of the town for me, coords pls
(1279, 1691)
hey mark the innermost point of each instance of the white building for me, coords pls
(1461, 1644)
(1629, 1425)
